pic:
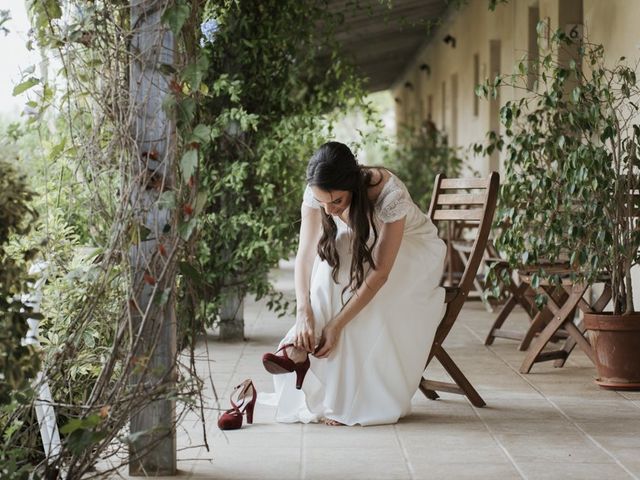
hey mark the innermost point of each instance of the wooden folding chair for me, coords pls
(519, 293)
(559, 314)
(460, 200)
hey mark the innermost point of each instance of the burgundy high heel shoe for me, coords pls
(232, 418)
(277, 364)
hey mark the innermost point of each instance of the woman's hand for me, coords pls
(329, 339)
(305, 330)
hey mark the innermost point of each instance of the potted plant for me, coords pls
(571, 187)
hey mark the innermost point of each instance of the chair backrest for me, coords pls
(468, 201)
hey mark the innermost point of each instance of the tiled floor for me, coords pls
(550, 424)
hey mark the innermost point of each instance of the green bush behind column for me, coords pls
(18, 364)
(258, 97)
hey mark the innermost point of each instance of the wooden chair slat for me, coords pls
(460, 183)
(466, 214)
(461, 198)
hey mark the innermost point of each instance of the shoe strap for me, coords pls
(233, 411)
(242, 396)
(283, 349)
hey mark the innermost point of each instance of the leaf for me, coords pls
(201, 202)
(190, 271)
(167, 200)
(575, 94)
(188, 163)
(163, 298)
(194, 72)
(175, 16)
(80, 423)
(201, 134)
(535, 281)
(186, 229)
(26, 85)
(186, 110)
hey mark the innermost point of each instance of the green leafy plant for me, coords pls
(571, 168)
(254, 101)
(248, 113)
(18, 364)
(420, 156)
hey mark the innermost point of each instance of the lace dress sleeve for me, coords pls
(395, 203)
(308, 200)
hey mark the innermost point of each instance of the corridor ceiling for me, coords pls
(383, 36)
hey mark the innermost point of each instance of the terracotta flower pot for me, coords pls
(616, 343)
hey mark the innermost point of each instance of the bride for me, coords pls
(367, 276)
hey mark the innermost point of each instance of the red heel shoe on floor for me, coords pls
(277, 364)
(246, 401)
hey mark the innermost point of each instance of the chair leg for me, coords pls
(543, 317)
(576, 333)
(539, 321)
(569, 343)
(559, 319)
(458, 377)
(430, 394)
(501, 318)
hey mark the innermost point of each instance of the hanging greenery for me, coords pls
(258, 93)
(250, 89)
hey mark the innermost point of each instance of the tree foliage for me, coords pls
(249, 100)
(18, 363)
(257, 93)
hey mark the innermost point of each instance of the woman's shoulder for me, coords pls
(380, 177)
(393, 200)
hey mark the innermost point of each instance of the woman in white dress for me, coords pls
(367, 276)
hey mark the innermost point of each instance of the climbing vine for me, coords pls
(250, 87)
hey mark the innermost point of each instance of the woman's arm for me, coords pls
(384, 256)
(310, 232)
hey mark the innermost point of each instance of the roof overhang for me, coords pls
(383, 36)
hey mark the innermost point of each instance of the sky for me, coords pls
(14, 57)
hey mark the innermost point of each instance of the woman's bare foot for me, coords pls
(296, 354)
(333, 423)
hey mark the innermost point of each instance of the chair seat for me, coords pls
(465, 246)
(499, 262)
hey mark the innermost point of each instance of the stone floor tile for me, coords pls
(541, 470)
(252, 462)
(373, 437)
(354, 464)
(451, 450)
(568, 447)
(464, 471)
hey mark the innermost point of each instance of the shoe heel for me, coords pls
(301, 372)
(250, 411)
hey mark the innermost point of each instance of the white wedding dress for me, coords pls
(376, 367)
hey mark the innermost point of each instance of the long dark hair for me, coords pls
(334, 167)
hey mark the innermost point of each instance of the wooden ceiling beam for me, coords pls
(382, 40)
